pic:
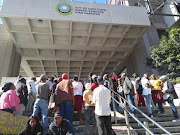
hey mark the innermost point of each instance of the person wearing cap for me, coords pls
(169, 94)
(128, 91)
(89, 108)
(94, 84)
(138, 88)
(22, 93)
(78, 88)
(102, 100)
(64, 97)
(41, 103)
(60, 126)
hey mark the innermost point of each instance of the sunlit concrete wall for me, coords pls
(9, 58)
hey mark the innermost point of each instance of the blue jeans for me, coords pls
(152, 104)
(41, 105)
(130, 99)
(173, 107)
(66, 109)
(89, 115)
(148, 99)
(116, 105)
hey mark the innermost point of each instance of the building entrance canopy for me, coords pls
(55, 36)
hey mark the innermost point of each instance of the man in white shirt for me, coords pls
(102, 100)
(168, 95)
(31, 94)
(78, 88)
(147, 94)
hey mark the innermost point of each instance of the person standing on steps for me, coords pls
(89, 108)
(94, 84)
(138, 88)
(41, 103)
(64, 97)
(128, 91)
(102, 100)
(169, 94)
(147, 94)
(22, 93)
(31, 94)
(78, 88)
(156, 89)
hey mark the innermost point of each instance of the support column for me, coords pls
(10, 60)
(136, 62)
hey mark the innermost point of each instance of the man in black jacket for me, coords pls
(22, 93)
(60, 126)
(168, 95)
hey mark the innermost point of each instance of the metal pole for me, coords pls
(162, 128)
(114, 109)
(151, 133)
(127, 120)
(147, 125)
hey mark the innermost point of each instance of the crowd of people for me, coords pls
(62, 96)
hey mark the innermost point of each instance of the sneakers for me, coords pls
(176, 120)
(162, 114)
(150, 115)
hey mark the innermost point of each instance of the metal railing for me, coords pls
(126, 112)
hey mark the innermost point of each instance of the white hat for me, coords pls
(163, 77)
(88, 86)
(123, 74)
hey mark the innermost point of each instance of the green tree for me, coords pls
(166, 56)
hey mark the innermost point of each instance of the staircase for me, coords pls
(165, 121)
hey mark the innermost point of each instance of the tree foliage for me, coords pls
(166, 56)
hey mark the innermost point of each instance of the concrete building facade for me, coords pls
(54, 36)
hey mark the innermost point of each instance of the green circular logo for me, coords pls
(64, 8)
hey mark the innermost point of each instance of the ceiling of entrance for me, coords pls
(77, 47)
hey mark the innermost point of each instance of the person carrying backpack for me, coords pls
(139, 89)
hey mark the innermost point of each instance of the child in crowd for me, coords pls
(33, 127)
(89, 108)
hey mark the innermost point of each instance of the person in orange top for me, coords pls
(156, 89)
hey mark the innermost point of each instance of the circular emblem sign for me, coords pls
(64, 8)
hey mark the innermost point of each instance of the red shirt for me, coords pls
(93, 86)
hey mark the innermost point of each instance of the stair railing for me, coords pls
(126, 112)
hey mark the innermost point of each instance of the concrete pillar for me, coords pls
(10, 60)
(136, 62)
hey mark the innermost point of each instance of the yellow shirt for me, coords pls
(86, 95)
(155, 83)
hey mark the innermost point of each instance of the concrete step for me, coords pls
(157, 119)
(168, 110)
(151, 125)
(158, 131)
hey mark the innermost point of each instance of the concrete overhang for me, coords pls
(93, 38)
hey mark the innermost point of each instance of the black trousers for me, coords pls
(104, 122)
(8, 110)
